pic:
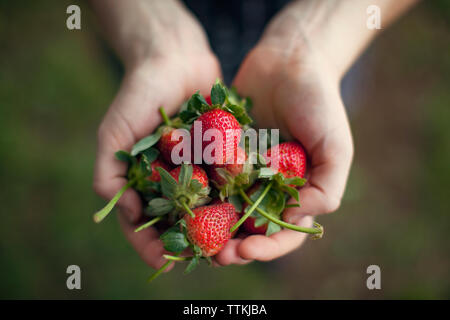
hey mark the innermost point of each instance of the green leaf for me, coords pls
(197, 103)
(188, 116)
(150, 155)
(239, 113)
(197, 250)
(248, 104)
(296, 181)
(145, 143)
(181, 222)
(192, 264)
(195, 186)
(233, 96)
(265, 173)
(160, 206)
(260, 220)
(125, 157)
(272, 228)
(255, 195)
(218, 93)
(273, 203)
(185, 175)
(168, 183)
(174, 240)
(145, 169)
(236, 201)
(292, 192)
(146, 186)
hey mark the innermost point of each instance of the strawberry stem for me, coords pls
(175, 258)
(148, 224)
(160, 270)
(165, 116)
(252, 208)
(188, 210)
(317, 231)
(101, 214)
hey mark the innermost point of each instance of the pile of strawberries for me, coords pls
(202, 206)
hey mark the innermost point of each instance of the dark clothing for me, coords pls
(233, 27)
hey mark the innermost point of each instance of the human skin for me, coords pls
(292, 76)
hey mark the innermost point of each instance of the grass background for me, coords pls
(56, 84)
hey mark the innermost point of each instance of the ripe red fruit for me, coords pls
(158, 163)
(249, 226)
(249, 223)
(197, 173)
(208, 100)
(233, 166)
(210, 229)
(165, 144)
(225, 123)
(290, 160)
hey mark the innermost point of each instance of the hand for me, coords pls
(299, 94)
(162, 75)
(293, 78)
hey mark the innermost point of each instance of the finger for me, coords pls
(109, 178)
(146, 243)
(324, 190)
(230, 254)
(127, 121)
(262, 248)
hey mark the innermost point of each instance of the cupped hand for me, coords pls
(163, 80)
(298, 93)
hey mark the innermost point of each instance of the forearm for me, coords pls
(140, 29)
(335, 28)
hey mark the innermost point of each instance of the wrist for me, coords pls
(332, 34)
(146, 30)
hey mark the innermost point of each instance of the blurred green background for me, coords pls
(56, 84)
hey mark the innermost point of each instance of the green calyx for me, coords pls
(221, 98)
(175, 240)
(268, 202)
(179, 196)
(138, 171)
(233, 183)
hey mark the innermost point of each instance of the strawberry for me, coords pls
(210, 229)
(166, 144)
(197, 173)
(226, 124)
(290, 160)
(158, 163)
(234, 167)
(249, 223)
(249, 226)
(208, 100)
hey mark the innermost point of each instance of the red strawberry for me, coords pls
(158, 163)
(208, 100)
(290, 160)
(225, 123)
(197, 173)
(233, 166)
(166, 145)
(249, 226)
(168, 137)
(210, 229)
(249, 223)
